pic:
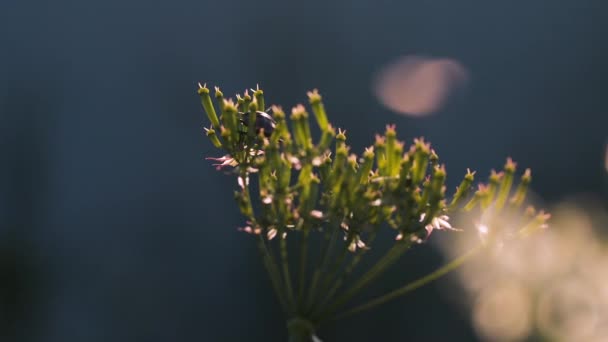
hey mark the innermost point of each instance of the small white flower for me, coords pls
(249, 230)
(344, 226)
(377, 203)
(227, 160)
(416, 239)
(295, 161)
(439, 223)
(242, 183)
(318, 214)
(355, 243)
(223, 162)
(271, 234)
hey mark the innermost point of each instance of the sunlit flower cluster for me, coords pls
(308, 182)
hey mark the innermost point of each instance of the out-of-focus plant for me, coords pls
(548, 287)
(291, 187)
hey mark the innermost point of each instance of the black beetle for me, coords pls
(263, 120)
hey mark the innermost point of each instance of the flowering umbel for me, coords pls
(309, 185)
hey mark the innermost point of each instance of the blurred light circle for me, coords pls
(418, 86)
(503, 312)
(568, 311)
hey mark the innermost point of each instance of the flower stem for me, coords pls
(342, 277)
(389, 258)
(286, 274)
(303, 263)
(300, 330)
(273, 272)
(414, 284)
(325, 248)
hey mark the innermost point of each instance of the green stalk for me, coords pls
(273, 273)
(269, 262)
(300, 330)
(342, 277)
(389, 258)
(413, 285)
(286, 275)
(303, 263)
(322, 261)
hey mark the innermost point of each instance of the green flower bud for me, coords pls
(433, 158)
(325, 170)
(463, 189)
(230, 120)
(301, 128)
(318, 109)
(251, 119)
(421, 159)
(210, 132)
(505, 185)
(481, 193)
(304, 181)
(338, 169)
(259, 98)
(539, 222)
(219, 98)
(311, 200)
(284, 175)
(366, 166)
(240, 103)
(281, 131)
(381, 159)
(423, 200)
(438, 180)
(203, 92)
(405, 170)
(351, 176)
(522, 188)
(437, 193)
(392, 159)
(247, 100)
(340, 138)
(495, 179)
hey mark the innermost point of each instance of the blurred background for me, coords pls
(113, 227)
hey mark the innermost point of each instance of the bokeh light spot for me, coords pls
(503, 312)
(418, 86)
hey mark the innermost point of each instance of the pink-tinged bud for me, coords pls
(219, 99)
(494, 181)
(506, 184)
(538, 222)
(522, 188)
(421, 159)
(301, 127)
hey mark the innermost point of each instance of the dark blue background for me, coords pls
(114, 228)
